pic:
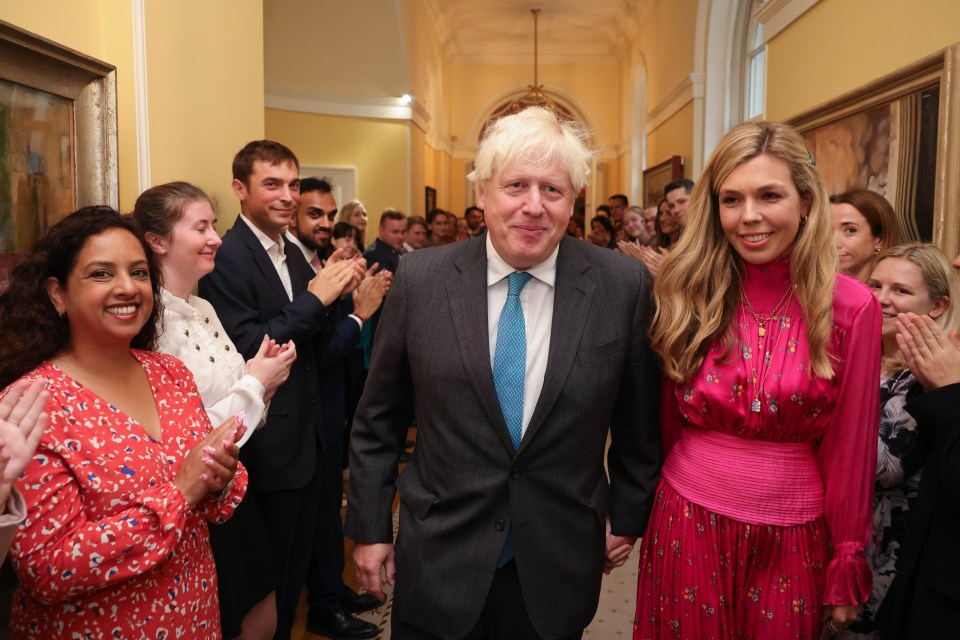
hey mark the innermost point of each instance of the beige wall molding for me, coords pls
(142, 95)
(687, 90)
(331, 104)
(777, 15)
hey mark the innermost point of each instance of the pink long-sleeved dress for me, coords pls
(753, 550)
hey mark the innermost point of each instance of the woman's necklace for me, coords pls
(762, 320)
(756, 405)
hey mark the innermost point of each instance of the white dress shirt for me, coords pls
(192, 333)
(276, 253)
(536, 299)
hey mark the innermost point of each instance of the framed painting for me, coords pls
(897, 136)
(430, 200)
(659, 176)
(58, 137)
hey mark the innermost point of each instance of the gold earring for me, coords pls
(803, 220)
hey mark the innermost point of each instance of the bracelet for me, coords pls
(359, 317)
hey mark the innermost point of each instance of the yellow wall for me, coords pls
(205, 81)
(673, 138)
(204, 108)
(377, 148)
(666, 39)
(871, 37)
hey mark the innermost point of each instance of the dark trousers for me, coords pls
(290, 517)
(504, 615)
(325, 572)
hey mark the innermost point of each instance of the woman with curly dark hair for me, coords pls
(129, 471)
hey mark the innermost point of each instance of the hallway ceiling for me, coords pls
(501, 30)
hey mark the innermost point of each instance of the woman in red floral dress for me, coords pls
(129, 471)
(770, 409)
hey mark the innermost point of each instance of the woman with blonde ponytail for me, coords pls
(770, 408)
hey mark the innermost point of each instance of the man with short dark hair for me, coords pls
(618, 204)
(416, 234)
(388, 247)
(312, 227)
(474, 218)
(262, 286)
(677, 194)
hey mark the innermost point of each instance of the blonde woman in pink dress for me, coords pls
(770, 409)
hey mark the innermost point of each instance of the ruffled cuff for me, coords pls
(170, 506)
(849, 579)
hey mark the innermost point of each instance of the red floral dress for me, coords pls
(109, 547)
(709, 575)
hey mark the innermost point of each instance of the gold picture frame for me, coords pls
(58, 137)
(898, 135)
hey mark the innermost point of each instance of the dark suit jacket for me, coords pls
(924, 600)
(250, 300)
(466, 486)
(342, 335)
(380, 252)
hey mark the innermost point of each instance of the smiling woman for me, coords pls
(771, 361)
(180, 226)
(129, 471)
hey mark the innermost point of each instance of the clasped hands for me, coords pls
(211, 465)
(338, 276)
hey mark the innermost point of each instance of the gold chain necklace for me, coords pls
(755, 406)
(761, 330)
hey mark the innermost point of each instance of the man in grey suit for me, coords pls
(523, 349)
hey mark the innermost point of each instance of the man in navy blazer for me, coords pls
(260, 286)
(507, 516)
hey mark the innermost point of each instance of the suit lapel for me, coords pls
(470, 324)
(571, 302)
(260, 258)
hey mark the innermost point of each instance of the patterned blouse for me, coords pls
(109, 547)
(898, 483)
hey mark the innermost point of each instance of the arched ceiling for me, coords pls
(324, 48)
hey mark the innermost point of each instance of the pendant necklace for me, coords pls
(755, 406)
(762, 320)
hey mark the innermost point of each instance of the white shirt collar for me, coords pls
(265, 240)
(498, 269)
(307, 252)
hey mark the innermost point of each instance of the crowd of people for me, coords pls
(755, 379)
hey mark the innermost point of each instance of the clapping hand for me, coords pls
(22, 423)
(931, 355)
(211, 465)
(271, 365)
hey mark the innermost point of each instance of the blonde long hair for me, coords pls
(941, 282)
(698, 287)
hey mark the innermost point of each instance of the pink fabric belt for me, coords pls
(752, 481)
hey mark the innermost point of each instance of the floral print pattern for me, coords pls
(109, 547)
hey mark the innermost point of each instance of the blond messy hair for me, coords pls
(535, 136)
(941, 282)
(698, 288)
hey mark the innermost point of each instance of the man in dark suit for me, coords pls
(331, 602)
(263, 286)
(388, 247)
(523, 350)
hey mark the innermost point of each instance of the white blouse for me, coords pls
(192, 332)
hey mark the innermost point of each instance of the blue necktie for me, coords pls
(509, 370)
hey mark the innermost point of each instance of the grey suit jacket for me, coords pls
(466, 486)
